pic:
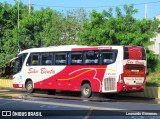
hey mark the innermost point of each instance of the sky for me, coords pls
(99, 5)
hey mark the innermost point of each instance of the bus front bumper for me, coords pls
(18, 85)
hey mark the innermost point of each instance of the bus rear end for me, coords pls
(133, 78)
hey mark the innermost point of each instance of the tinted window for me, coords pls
(76, 58)
(143, 54)
(33, 59)
(91, 57)
(126, 54)
(46, 59)
(108, 57)
(60, 58)
(134, 53)
(19, 63)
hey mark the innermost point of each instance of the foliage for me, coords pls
(47, 27)
(152, 61)
(44, 27)
(153, 82)
(8, 31)
(105, 29)
(153, 78)
(122, 29)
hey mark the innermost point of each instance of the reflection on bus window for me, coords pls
(46, 59)
(92, 58)
(107, 57)
(76, 58)
(33, 59)
(19, 63)
(61, 58)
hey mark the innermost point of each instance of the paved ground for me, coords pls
(65, 104)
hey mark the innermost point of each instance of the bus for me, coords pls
(85, 69)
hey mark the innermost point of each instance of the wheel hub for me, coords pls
(86, 91)
(29, 87)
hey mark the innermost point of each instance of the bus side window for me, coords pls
(91, 58)
(60, 58)
(107, 57)
(33, 59)
(46, 59)
(76, 58)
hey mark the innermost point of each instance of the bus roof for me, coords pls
(70, 48)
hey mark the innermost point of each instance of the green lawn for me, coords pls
(154, 77)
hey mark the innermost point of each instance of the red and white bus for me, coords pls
(88, 69)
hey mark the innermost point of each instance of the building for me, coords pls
(156, 46)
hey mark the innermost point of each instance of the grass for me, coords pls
(152, 82)
(154, 77)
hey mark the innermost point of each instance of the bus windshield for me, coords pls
(19, 63)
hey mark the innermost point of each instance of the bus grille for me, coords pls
(109, 83)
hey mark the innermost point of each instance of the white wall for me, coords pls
(156, 46)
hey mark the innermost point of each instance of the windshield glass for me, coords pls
(19, 63)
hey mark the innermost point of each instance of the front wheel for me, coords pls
(86, 91)
(29, 87)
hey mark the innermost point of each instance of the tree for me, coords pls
(123, 29)
(63, 28)
(52, 27)
(47, 27)
(7, 21)
(8, 30)
(72, 24)
(30, 29)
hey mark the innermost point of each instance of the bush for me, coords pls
(153, 62)
(154, 77)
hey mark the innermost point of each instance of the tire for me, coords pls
(29, 87)
(86, 91)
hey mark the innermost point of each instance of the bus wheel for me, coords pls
(29, 87)
(86, 91)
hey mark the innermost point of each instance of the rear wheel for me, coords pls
(86, 91)
(29, 87)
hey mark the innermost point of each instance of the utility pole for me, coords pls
(18, 16)
(19, 49)
(29, 7)
(146, 11)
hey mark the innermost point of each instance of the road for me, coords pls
(71, 105)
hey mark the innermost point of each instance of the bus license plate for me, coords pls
(134, 88)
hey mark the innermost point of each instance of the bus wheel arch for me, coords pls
(86, 89)
(29, 85)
